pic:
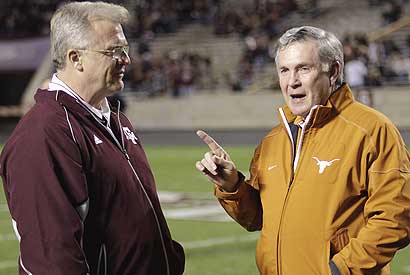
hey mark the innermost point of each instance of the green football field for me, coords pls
(213, 244)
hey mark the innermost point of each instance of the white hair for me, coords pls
(330, 48)
(71, 26)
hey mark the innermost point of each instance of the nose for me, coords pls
(294, 80)
(125, 58)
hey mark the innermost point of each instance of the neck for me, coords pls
(82, 90)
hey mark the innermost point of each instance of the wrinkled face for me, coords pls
(104, 72)
(302, 81)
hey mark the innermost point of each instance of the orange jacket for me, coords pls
(348, 199)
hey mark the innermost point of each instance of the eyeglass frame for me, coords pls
(111, 53)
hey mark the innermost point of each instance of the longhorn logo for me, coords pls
(323, 164)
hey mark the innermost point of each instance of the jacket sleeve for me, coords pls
(44, 184)
(244, 205)
(386, 211)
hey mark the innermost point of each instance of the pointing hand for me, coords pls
(217, 164)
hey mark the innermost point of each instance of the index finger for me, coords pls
(212, 144)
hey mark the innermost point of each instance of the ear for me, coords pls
(75, 59)
(335, 72)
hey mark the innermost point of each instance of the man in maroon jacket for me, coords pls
(78, 185)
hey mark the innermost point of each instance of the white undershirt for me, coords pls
(57, 84)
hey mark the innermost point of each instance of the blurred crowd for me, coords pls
(29, 18)
(260, 16)
(157, 17)
(182, 73)
(256, 22)
(20, 18)
(174, 73)
(374, 63)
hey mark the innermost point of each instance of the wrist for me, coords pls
(239, 178)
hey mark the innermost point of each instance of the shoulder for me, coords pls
(372, 126)
(44, 122)
(367, 119)
(274, 132)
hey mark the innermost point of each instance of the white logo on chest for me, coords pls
(271, 167)
(129, 135)
(97, 140)
(323, 164)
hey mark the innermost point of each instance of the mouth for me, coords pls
(119, 71)
(120, 74)
(297, 97)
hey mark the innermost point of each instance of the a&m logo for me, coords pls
(129, 135)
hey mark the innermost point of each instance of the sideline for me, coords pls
(8, 264)
(209, 212)
(8, 237)
(219, 241)
(4, 207)
(187, 246)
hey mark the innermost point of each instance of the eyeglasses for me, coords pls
(117, 53)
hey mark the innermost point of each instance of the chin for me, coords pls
(297, 109)
(300, 112)
(117, 87)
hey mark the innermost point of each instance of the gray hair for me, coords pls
(71, 26)
(330, 48)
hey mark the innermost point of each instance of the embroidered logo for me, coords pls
(271, 167)
(323, 164)
(130, 135)
(97, 140)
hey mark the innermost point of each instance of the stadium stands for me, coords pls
(176, 42)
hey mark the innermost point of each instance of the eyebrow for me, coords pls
(118, 46)
(297, 65)
(304, 64)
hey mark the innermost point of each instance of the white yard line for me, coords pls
(7, 237)
(8, 264)
(203, 212)
(4, 207)
(6, 223)
(406, 269)
(219, 241)
(187, 245)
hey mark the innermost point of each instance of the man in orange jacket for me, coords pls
(329, 186)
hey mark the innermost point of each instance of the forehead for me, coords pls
(108, 33)
(299, 52)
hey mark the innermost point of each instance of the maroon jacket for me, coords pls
(84, 202)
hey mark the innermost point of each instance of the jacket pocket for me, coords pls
(339, 240)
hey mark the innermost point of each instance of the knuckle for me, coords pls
(205, 163)
(208, 154)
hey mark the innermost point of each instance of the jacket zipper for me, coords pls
(142, 187)
(124, 151)
(155, 214)
(290, 185)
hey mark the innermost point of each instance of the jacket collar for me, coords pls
(66, 100)
(57, 84)
(338, 101)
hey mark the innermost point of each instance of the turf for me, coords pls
(174, 170)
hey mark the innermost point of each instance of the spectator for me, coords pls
(356, 71)
(392, 12)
